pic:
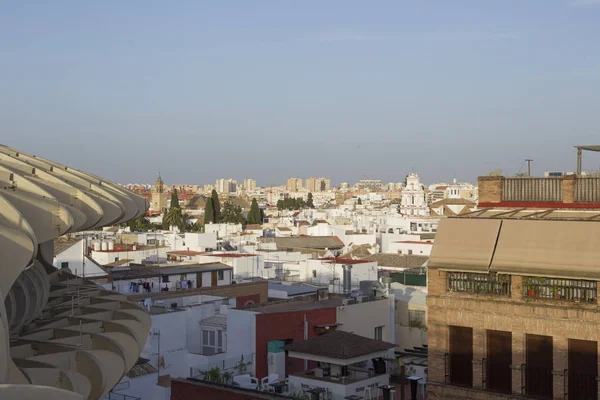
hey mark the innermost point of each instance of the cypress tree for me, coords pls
(359, 202)
(254, 214)
(216, 206)
(309, 202)
(174, 199)
(209, 211)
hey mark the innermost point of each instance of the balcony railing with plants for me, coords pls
(467, 282)
(561, 289)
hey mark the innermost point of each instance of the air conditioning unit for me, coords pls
(347, 302)
(322, 294)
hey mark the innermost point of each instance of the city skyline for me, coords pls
(336, 89)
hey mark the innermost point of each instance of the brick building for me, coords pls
(512, 304)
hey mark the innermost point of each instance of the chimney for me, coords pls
(347, 278)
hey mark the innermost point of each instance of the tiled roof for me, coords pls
(231, 255)
(185, 253)
(141, 368)
(398, 260)
(340, 345)
(341, 260)
(309, 242)
(253, 227)
(63, 244)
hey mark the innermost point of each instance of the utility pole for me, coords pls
(529, 161)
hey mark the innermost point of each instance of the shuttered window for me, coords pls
(460, 356)
(499, 359)
(583, 369)
(538, 367)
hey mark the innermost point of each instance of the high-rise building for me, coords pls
(61, 336)
(249, 184)
(294, 184)
(226, 185)
(318, 184)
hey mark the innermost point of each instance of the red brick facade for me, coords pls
(194, 390)
(284, 326)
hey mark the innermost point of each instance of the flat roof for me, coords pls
(294, 289)
(137, 272)
(340, 345)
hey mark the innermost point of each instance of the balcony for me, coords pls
(357, 381)
(561, 289)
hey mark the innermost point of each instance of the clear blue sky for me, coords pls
(269, 89)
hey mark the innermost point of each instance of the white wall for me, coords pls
(406, 247)
(137, 256)
(337, 390)
(172, 327)
(241, 334)
(74, 256)
(361, 319)
(200, 241)
(326, 271)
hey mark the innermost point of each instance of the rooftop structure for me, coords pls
(513, 305)
(344, 359)
(69, 338)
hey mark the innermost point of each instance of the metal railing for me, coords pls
(580, 385)
(561, 289)
(243, 363)
(536, 381)
(493, 284)
(587, 189)
(532, 189)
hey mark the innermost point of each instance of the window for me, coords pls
(561, 289)
(497, 284)
(221, 275)
(314, 273)
(379, 333)
(208, 342)
(538, 366)
(116, 259)
(497, 371)
(409, 252)
(64, 265)
(183, 277)
(459, 361)
(583, 369)
(213, 341)
(416, 318)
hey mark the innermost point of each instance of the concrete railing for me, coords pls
(532, 189)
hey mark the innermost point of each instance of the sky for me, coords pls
(347, 89)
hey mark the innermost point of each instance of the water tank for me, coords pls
(104, 246)
(111, 245)
(134, 247)
(97, 245)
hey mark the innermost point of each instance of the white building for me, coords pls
(414, 201)
(345, 360)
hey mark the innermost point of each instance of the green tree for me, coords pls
(174, 217)
(174, 199)
(309, 202)
(140, 224)
(216, 206)
(254, 214)
(359, 202)
(209, 211)
(232, 214)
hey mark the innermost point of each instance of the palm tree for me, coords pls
(174, 217)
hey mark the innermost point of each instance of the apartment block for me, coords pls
(294, 184)
(513, 305)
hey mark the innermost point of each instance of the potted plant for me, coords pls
(530, 291)
(555, 293)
